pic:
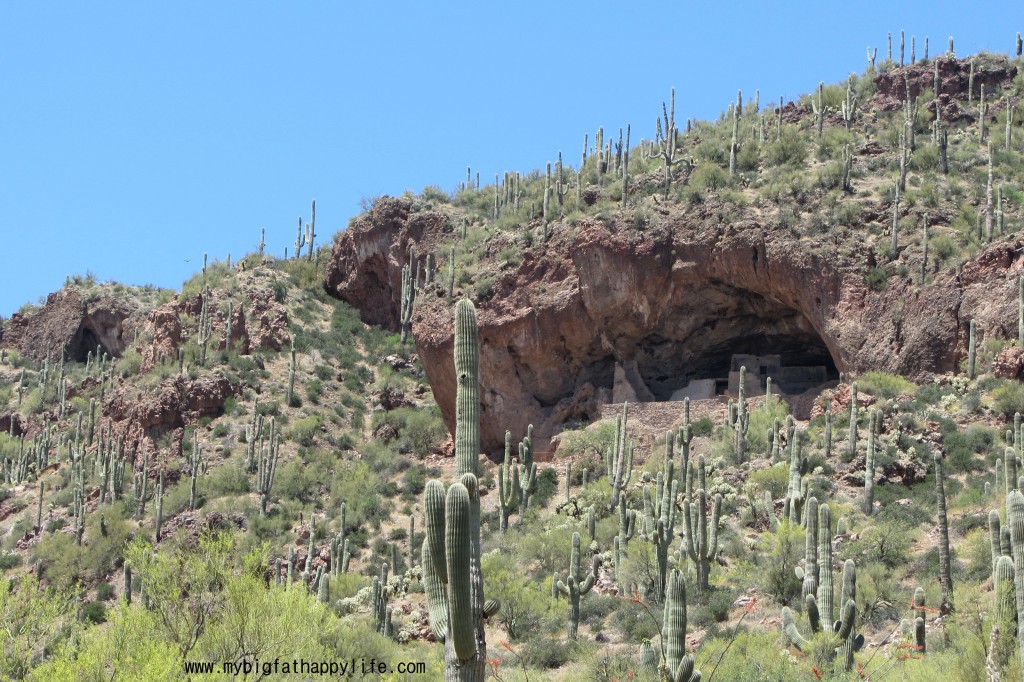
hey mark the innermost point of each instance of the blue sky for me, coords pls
(133, 137)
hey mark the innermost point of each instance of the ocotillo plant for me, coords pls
(451, 552)
(576, 584)
(945, 572)
(702, 541)
(619, 458)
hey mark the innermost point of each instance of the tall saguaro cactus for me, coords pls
(576, 584)
(1015, 519)
(676, 664)
(451, 551)
(619, 458)
(702, 542)
(945, 573)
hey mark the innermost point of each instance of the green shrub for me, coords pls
(548, 652)
(95, 612)
(789, 150)
(884, 385)
(703, 426)
(777, 557)
(774, 479)
(1009, 398)
(104, 591)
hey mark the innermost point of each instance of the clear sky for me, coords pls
(134, 137)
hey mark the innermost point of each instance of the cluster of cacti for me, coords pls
(575, 585)
(845, 642)
(303, 237)
(1007, 545)
(618, 458)
(451, 551)
(701, 531)
(382, 622)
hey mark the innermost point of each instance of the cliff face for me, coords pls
(667, 304)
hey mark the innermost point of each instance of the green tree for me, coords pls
(33, 620)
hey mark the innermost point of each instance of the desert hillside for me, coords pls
(741, 397)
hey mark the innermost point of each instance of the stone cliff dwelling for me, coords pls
(804, 371)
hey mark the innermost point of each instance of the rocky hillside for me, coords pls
(239, 470)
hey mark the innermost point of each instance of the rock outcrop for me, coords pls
(72, 323)
(675, 301)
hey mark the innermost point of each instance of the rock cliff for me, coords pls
(671, 302)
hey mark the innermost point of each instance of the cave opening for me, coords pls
(700, 354)
(85, 342)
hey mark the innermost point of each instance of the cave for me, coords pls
(85, 342)
(729, 327)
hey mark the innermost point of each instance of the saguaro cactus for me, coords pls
(619, 458)
(702, 545)
(869, 465)
(972, 352)
(676, 664)
(451, 552)
(508, 485)
(945, 572)
(576, 584)
(1015, 519)
(846, 641)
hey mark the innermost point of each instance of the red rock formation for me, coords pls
(71, 323)
(677, 299)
